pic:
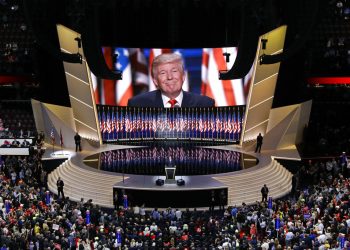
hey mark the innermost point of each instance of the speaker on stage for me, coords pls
(160, 182)
(180, 182)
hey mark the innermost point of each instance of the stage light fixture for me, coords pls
(80, 58)
(180, 182)
(78, 39)
(227, 56)
(159, 182)
(263, 43)
(261, 59)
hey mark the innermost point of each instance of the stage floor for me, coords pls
(135, 170)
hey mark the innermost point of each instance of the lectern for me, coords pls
(170, 174)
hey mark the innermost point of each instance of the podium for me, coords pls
(170, 174)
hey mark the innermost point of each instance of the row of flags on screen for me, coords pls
(118, 123)
(135, 69)
(53, 137)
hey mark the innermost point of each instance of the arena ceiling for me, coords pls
(169, 23)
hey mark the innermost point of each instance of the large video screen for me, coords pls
(134, 123)
(219, 119)
(202, 66)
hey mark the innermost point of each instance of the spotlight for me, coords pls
(115, 58)
(115, 62)
(263, 43)
(159, 182)
(14, 7)
(80, 58)
(261, 59)
(180, 182)
(227, 56)
(79, 41)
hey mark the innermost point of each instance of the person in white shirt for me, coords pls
(136, 210)
(322, 238)
(289, 237)
(142, 211)
(153, 227)
(226, 245)
(178, 214)
(320, 227)
(265, 245)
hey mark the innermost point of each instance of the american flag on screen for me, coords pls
(139, 67)
(224, 92)
(124, 87)
(114, 92)
(107, 90)
(108, 122)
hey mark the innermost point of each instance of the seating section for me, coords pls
(16, 43)
(327, 47)
(16, 116)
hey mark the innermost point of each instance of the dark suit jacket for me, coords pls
(154, 99)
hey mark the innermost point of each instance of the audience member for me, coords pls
(25, 143)
(15, 143)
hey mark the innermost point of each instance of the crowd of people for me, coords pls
(16, 119)
(14, 143)
(314, 216)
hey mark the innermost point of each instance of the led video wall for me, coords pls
(201, 66)
(133, 123)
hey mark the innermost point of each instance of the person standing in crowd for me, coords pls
(222, 200)
(60, 185)
(15, 143)
(212, 202)
(344, 164)
(264, 193)
(77, 140)
(25, 143)
(259, 142)
(41, 136)
(117, 199)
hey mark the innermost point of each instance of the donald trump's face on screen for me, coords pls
(168, 74)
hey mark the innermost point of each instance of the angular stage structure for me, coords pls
(281, 128)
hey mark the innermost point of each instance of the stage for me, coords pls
(88, 175)
(85, 176)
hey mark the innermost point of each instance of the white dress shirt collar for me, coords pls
(178, 99)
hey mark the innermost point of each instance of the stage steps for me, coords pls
(83, 183)
(245, 187)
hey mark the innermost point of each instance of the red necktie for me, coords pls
(172, 102)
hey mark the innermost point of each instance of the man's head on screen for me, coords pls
(168, 74)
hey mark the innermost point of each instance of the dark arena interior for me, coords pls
(174, 124)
